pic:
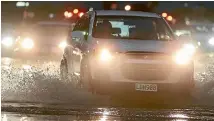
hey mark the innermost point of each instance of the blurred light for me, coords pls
(114, 6)
(106, 113)
(51, 15)
(187, 22)
(211, 55)
(105, 55)
(81, 14)
(127, 7)
(20, 4)
(189, 48)
(62, 45)
(27, 43)
(182, 58)
(164, 15)
(91, 9)
(178, 116)
(26, 67)
(69, 15)
(199, 44)
(211, 41)
(5, 118)
(169, 18)
(178, 33)
(75, 52)
(66, 13)
(104, 118)
(184, 55)
(7, 41)
(75, 11)
(27, 4)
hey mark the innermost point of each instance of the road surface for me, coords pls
(37, 81)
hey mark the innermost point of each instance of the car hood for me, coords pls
(155, 46)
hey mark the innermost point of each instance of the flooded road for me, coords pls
(37, 81)
(106, 114)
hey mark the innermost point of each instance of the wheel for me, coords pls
(85, 77)
(63, 71)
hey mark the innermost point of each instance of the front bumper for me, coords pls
(114, 77)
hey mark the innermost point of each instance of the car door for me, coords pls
(77, 51)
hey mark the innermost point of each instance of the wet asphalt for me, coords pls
(37, 82)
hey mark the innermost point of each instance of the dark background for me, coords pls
(194, 10)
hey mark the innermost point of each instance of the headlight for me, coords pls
(211, 41)
(105, 55)
(7, 41)
(62, 45)
(27, 43)
(189, 48)
(184, 55)
(199, 43)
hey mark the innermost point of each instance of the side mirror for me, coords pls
(77, 38)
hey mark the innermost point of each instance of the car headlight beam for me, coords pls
(62, 45)
(27, 43)
(211, 41)
(7, 41)
(182, 58)
(185, 54)
(105, 55)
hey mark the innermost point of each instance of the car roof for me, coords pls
(125, 13)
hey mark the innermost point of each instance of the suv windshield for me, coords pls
(127, 27)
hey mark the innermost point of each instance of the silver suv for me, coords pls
(127, 52)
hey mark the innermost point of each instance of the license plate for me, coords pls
(146, 87)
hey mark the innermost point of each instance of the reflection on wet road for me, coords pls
(67, 113)
(38, 81)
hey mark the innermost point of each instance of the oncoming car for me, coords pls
(117, 52)
(7, 39)
(203, 34)
(42, 39)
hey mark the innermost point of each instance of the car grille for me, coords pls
(141, 71)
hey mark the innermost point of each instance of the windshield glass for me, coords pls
(127, 27)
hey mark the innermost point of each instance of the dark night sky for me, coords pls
(9, 10)
(167, 5)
